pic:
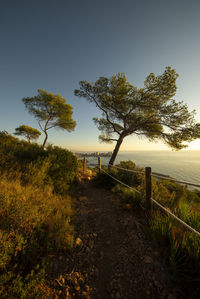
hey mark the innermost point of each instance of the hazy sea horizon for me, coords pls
(182, 165)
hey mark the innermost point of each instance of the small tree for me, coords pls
(150, 111)
(51, 111)
(28, 132)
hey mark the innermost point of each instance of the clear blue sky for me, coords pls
(53, 44)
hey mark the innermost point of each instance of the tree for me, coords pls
(51, 111)
(28, 132)
(150, 111)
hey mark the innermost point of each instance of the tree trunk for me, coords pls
(115, 152)
(45, 140)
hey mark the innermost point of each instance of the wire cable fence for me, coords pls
(175, 217)
(120, 181)
(149, 198)
(129, 170)
(160, 176)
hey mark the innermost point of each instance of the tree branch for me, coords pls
(106, 113)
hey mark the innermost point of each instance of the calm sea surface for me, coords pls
(183, 165)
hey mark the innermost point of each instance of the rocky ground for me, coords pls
(113, 256)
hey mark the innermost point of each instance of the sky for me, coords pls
(54, 44)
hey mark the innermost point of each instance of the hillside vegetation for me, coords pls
(35, 214)
(36, 211)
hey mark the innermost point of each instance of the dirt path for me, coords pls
(113, 252)
(113, 257)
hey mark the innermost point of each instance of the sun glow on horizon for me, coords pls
(130, 145)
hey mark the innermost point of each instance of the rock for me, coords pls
(128, 206)
(83, 198)
(91, 243)
(76, 281)
(78, 242)
(148, 260)
(87, 288)
(87, 249)
(77, 288)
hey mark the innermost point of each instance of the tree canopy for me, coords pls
(51, 111)
(28, 132)
(150, 111)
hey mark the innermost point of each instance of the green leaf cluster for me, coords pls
(150, 111)
(28, 132)
(51, 111)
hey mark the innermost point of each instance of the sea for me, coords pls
(181, 165)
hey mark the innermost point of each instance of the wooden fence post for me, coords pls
(148, 186)
(99, 163)
(84, 164)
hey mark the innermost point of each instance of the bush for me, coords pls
(180, 247)
(132, 179)
(34, 165)
(34, 217)
(63, 168)
(34, 223)
(128, 196)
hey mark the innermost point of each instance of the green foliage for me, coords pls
(162, 227)
(63, 168)
(28, 132)
(150, 111)
(34, 218)
(34, 223)
(180, 247)
(34, 165)
(130, 178)
(51, 111)
(128, 196)
(104, 180)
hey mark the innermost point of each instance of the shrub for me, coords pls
(34, 223)
(180, 247)
(63, 168)
(34, 165)
(132, 179)
(128, 196)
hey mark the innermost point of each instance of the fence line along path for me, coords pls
(148, 191)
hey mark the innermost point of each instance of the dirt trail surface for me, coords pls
(113, 253)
